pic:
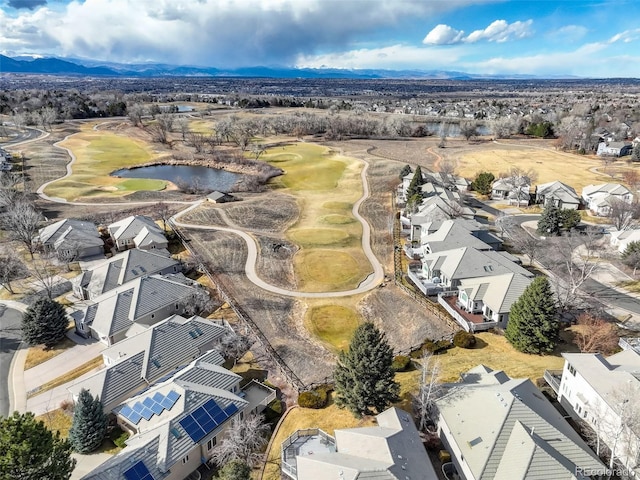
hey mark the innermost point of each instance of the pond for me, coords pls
(202, 177)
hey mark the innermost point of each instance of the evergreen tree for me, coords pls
(483, 182)
(635, 153)
(549, 223)
(533, 323)
(631, 256)
(406, 170)
(89, 425)
(569, 218)
(44, 323)
(364, 376)
(416, 182)
(32, 452)
(235, 470)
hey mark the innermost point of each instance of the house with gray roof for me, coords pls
(137, 231)
(392, 450)
(598, 198)
(614, 149)
(140, 360)
(460, 233)
(514, 189)
(122, 268)
(496, 428)
(136, 305)
(73, 239)
(176, 422)
(557, 194)
(602, 392)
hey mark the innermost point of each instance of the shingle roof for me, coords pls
(131, 226)
(81, 230)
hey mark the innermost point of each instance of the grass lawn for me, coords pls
(38, 355)
(630, 285)
(332, 324)
(326, 186)
(70, 375)
(495, 352)
(549, 165)
(97, 155)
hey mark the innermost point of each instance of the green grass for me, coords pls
(97, 155)
(329, 270)
(333, 325)
(319, 237)
(335, 219)
(630, 285)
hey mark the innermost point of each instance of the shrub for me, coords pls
(273, 411)
(118, 437)
(316, 398)
(400, 363)
(463, 339)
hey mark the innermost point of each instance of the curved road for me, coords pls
(29, 135)
(250, 265)
(252, 257)
(10, 339)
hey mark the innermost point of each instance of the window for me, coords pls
(212, 443)
(153, 315)
(185, 459)
(572, 370)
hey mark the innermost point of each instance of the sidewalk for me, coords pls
(51, 399)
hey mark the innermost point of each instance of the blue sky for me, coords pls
(541, 37)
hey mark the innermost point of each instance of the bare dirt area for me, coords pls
(205, 214)
(405, 150)
(223, 252)
(266, 212)
(275, 261)
(405, 322)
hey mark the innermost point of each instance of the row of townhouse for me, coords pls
(162, 376)
(81, 240)
(596, 198)
(494, 427)
(602, 392)
(461, 262)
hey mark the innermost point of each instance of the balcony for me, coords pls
(258, 395)
(471, 322)
(304, 443)
(423, 283)
(553, 378)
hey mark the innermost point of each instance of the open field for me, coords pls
(98, 153)
(332, 322)
(325, 186)
(495, 352)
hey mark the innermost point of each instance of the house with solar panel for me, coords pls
(176, 423)
(122, 268)
(142, 359)
(133, 307)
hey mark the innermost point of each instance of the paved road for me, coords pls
(10, 338)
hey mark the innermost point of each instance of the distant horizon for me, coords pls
(542, 38)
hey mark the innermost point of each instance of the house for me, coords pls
(220, 197)
(496, 427)
(614, 149)
(390, 450)
(5, 161)
(557, 194)
(176, 422)
(513, 189)
(135, 362)
(460, 233)
(122, 268)
(134, 306)
(603, 393)
(137, 231)
(72, 239)
(598, 198)
(622, 238)
(447, 180)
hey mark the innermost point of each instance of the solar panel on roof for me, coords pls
(138, 471)
(146, 413)
(158, 397)
(231, 409)
(148, 402)
(138, 407)
(134, 417)
(192, 428)
(173, 395)
(157, 408)
(166, 403)
(126, 411)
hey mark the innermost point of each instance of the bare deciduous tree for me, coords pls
(44, 270)
(257, 149)
(429, 391)
(596, 335)
(243, 441)
(623, 214)
(135, 112)
(198, 302)
(525, 243)
(21, 222)
(469, 129)
(182, 123)
(11, 268)
(162, 211)
(233, 346)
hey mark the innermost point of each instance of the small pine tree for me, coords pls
(44, 323)
(533, 324)
(549, 223)
(406, 170)
(89, 425)
(235, 470)
(631, 256)
(416, 183)
(364, 376)
(483, 182)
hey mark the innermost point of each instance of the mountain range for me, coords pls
(58, 66)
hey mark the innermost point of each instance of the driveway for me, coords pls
(10, 339)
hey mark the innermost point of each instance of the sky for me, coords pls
(586, 38)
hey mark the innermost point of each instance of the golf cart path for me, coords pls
(371, 282)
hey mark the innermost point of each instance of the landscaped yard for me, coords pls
(98, 153)
(39, 354)
(70, 375)
(326, 186)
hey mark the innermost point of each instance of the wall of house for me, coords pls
(456, 454)
(187, 464)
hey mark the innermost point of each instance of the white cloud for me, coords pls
(215, 32)
(569, 33)
(626, 37)
(501, 31)
(443, 35)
